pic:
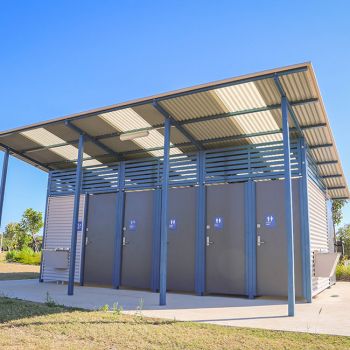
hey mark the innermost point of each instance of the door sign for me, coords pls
(270, 221)
(79, 225)
(132, 225)
(218, 223)
(172, 224)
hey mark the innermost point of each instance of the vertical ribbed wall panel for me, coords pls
(318, 231)
(58, 231)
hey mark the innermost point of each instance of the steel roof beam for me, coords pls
(324, 145)
(43, 148)
(174, 122)
(247, 111)
(331, 176)
(31, 160)
(93, 140)
(116, 134)
(336, 188)
(327, 162)
(182, 144)
(290, 109)
(313, 126)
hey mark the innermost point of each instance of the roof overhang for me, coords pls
(235, 111)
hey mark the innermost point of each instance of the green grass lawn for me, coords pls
(27, 325)
(15, 271)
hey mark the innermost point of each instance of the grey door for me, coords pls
(181, 239)
(225, 239)
(100, 238)
(137, 240)
(272, 264)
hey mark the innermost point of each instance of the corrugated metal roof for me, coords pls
(245, 105)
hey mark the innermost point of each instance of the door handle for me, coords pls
(124, 241)
(209, 242)
(259, 241)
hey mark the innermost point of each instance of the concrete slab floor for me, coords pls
(328, 314)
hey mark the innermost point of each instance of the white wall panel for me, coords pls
(319, 239)
(58, 231)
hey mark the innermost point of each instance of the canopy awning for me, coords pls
(235, 111)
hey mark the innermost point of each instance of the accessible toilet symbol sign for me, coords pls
(270, 221)
(172, 224)
(132, 225)
(218, 223)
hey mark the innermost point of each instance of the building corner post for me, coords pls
(288, 207)
(164, 216)
(3, 181)
(73, 249)
(44, 228)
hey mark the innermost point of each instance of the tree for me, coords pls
(337, 214)
(15, 237)
(31, 223)
(343, 235)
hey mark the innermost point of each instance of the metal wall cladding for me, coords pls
(318, 225)
(58, 231)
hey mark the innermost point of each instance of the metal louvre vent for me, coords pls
(101, 178)
(263, 161)
(244, 162)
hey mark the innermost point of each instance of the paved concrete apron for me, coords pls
(329, 312)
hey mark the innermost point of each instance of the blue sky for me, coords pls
(61, 57)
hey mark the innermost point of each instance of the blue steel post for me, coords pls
(253, 236)
(3, 181)
(82, 258)
(157, 205)
(247, 239)
(73, 248)
(305, 228)
(164, 216)
(44, 228)
(250, 239)
(288, 207)
(119, 227)
(156, 239)
(200, 227)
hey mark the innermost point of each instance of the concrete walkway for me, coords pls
(329, 313)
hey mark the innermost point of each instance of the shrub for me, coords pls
(343, 272)
(10, 255)
(24, 256)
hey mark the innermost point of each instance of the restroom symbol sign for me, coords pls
(218, 223)
(270, 221)
(172, 224)
(79, 225)
(132, 225)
